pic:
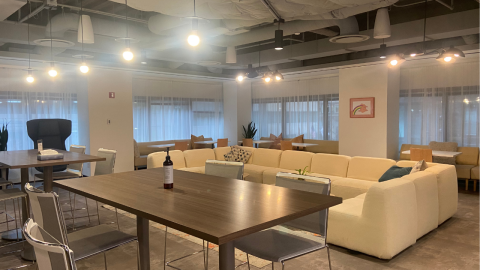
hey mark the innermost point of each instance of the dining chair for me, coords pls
(182, 146)
(227, 169)
(286, 145)
(248, 142)
(13, 194)
(49, 252)
(279, 246)
(417, 154)
(222, 142)
(86, 242)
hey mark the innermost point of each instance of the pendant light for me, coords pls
(193, 39)
(127, 53)
(279, 38)
(52, 72)
(396, 60)
(30, 78)
(415, 51)
(240, 77)
(383, 50)
(278, 76)
(381, 29)
(83, 67)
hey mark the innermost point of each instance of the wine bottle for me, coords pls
(167, 172)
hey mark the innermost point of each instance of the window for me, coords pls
(308, 107)
(169, 110)
(440, 103)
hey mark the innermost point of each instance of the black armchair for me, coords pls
(53, 133)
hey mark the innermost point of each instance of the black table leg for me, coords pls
(227, 256)
(143, 242)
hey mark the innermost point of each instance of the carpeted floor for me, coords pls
(454, 245)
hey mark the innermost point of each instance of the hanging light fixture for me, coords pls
(279, 37)
(278, 76)
(267, 77)
(446, 57)
(52, 72)
(231, 55)
(383, 51)
(240, 77)
(30, 78)
(193, 39)
(83, 67)
(381, 29)
(455, 52)
(127, 53)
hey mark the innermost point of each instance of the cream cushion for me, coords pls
(408, 163)
(155, 160)
(197, 157)
(255, 172)
(427, 201)
(464, 171)
(270, 175)
(349, 188)
(367, 168)
(475, 173)
(293, 160)
(382, 224)
(447, 190)
(267, 157)
(329, 164)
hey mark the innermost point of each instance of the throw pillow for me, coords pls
(194, 139)
(298, 139)
(419, 166)
(395, 172)
(238, 154)
(276, 141)
(444, 146)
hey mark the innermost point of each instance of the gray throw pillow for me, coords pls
(419, 166)
(444, 146)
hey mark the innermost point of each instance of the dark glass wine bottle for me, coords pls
(167, 172)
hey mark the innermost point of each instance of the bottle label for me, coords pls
(168, 174)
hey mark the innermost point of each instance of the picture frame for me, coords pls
(362, 107)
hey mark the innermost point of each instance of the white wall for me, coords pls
(118, 134)
(373, 137)
(244, 106)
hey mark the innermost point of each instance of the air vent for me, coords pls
(349, 39)
(208, 63)
(57, 43)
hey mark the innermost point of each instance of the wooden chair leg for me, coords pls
(466, 184)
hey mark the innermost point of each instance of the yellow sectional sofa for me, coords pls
(377, 218)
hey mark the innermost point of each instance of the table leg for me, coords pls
(143, 242)
(227, 256)
(28, 253)
(256, 145)
(48, 178)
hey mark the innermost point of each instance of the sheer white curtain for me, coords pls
(45, 98)
(307, 106)
(173, 110)
(440, 103)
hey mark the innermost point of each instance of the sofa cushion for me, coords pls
(197, 157)
(395, 172)
(469, 156)
(444, 146)
(267, 157)
(426, 191)
(270, 175)
(464, 171)
(349, 188)
(329, 164)
(155, 160)
(294, 160)
(255, 172)
(220, 152)
(367, 168)
(447, 190)
(298, 139)
(200, 169)
(475, 173)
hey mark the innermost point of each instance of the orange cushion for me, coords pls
(298, 139)
(276, 141)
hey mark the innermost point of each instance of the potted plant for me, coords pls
(3, 142)
(250, 131)
(302, 172)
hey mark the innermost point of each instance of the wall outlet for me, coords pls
(108, 121)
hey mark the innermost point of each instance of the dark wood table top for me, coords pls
(212, 208)
(28, 158)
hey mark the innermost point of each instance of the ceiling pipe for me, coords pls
(33, 13)
(272, 10)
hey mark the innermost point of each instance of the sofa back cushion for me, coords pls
(155, 160)
(294, 160)
(198, 157)
(266, 157)
(406, 147)
(220, 152)
(469, 156)
(322, 146)
(367, 168)
(329, 164)
(409, 163)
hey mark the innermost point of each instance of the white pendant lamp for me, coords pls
(85, 30)
(382, 24)
(193, 39)
(127, 54)
(231, 56)
(30, 78)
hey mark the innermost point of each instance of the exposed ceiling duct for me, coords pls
(8, 7)
(348, 32)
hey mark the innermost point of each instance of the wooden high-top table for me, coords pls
(216, 209)
(24, 159)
